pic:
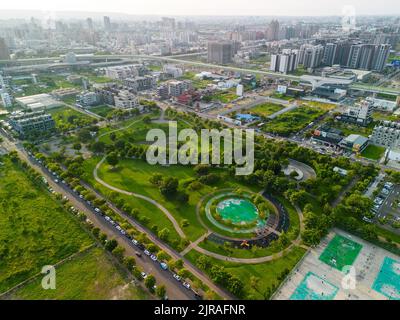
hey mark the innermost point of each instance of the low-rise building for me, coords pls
(360, 113)
(386, 134)
(126, 100)
(354, 143)
(140, 83)
(125, 71)
(177, 88)
(65, 93)
(26, 123)
(89, 98)
(173, 71)
(327, 135)
(38, 102)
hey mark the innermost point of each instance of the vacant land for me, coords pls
(103, 110)
(89, 276)
(35, 229)
(373, 152)
(266, 109)
(293, 121)
(224, 97)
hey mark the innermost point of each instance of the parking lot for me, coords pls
(387, 203)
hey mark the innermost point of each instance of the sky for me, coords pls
(210, 7)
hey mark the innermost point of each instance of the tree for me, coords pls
(164, 234)
(161, 291)
(112, 159)
(118, 252)
(98, 147)
(129, 263)
(156, 179)
(77, 146)
(150, 282)
(169, 186)
(111, 244)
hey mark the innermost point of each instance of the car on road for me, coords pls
(186, 285)
(135, 242)
(147, 252)
(144, 275)
(97, 210)
(164, 266)
(138, 254)
(177, 277)
(153, 257)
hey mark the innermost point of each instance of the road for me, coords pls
(175, 290)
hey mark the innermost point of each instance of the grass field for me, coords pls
(267, 272)
(266, 109)
(373, 152)
(224, 97)
(91, 275)
(293, 121)
(101, 110)
(340, 252)
(68, 119)
(35, 229)
(133, 175)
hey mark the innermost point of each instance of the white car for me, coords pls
(153, 257)
(186, 285)
(97, 210)
(107, 218)
(144, 275)
(177, 277)
(147, 252)
(135, 242)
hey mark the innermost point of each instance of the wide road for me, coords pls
(175, 289)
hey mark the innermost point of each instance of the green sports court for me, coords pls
(340, 252)
(314, 287)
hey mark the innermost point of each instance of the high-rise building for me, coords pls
(220, 52)
(107, 23)
(285, 62)
(329, 54)
(380, 57)
(89, 23)
(354, 56)
(367, 54)
(310, 56)
(273, 31)
(4, 51)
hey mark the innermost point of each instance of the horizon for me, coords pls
(222, 8)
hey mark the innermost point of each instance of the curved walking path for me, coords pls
(277, 255)
(140, 196)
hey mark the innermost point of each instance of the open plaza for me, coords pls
(321, 274)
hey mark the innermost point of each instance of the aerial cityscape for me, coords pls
(215, 150)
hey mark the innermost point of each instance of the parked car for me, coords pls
(147, 252)
(138, 254)
(164, 266)
(177, 277)
(153, 257)
(186, 285)
(144, 275)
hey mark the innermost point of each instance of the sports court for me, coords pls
(341, 252)
(388, 280)
(314, 288)
(375, 272)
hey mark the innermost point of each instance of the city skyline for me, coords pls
(208, 7)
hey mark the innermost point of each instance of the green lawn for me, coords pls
(266, 109)
(373, 152)
(133, 175)
(91, 275)
(282, 96)
(35, 229)
(101, 110)
(267, 272)
(340, 252)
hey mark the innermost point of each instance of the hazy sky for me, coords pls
(209, 7)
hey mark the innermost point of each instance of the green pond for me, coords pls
(237, 210)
